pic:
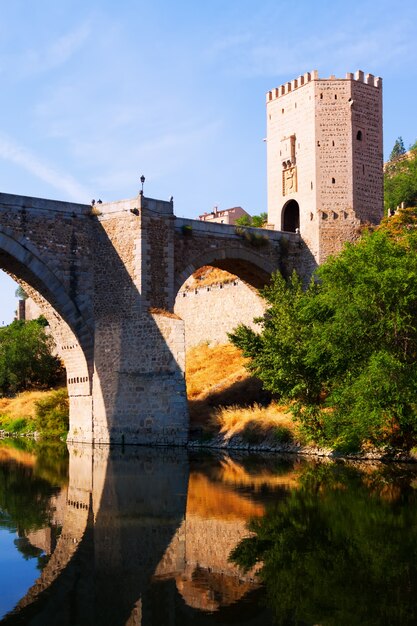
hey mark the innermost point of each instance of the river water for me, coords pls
(153, 537)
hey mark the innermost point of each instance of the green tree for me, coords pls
(400, 181)
(244, 220)
(398, 149)
(20, 293)
(344, 351)
(258, 221)
(26, 359)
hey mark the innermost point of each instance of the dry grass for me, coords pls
(216, 376)
(156, 311)
(22, 405)
(256, 423)
(207, 275)
(213, 368)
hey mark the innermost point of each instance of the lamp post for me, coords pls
(142, 180)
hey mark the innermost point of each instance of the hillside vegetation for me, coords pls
(400, 178)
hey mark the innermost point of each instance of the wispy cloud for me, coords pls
(159, 156)
(50, 55)
(14, 153)
(354, 43)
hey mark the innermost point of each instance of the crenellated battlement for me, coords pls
(303, 79)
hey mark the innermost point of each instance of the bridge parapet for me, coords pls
(251, 253)
(231, 231)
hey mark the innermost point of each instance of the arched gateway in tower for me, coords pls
(324, 158)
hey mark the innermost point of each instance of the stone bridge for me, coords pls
(106, 277)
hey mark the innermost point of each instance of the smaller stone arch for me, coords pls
(251, 267)
(290, 216)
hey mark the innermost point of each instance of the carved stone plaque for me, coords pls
(289, 180)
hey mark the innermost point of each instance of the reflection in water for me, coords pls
(147, 533)
(32, 499)
(340, 550)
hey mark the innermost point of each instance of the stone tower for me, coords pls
(324, 158)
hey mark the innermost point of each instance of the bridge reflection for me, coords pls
(145, 541)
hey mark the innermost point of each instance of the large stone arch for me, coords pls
(23, 261)
(69, 327)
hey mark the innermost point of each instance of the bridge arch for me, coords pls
(72, 332)
(251, 267)
(26, 264)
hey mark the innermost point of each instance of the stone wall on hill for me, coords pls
(209, 313)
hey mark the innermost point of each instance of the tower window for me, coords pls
(282, 110)
(321, 96)
(335, 96)
(311, 185)
(332, 143)
(318, 144)
(333, 181)
(359, 135)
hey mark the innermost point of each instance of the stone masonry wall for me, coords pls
(139, 388)
(209, 313)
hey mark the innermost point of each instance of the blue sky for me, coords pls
(97, 92)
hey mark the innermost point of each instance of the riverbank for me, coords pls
(35, 413)
(238, 443)
(228, 411)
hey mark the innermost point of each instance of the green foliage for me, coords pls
(283, 434)
(400, 181)
(344, 351)
(324, 554)
(26, 359)
(16, 426)
(52, 414)
(21, 293)
(255, 239)
(398, 150)
(258, 221)
(187, 230)
(244, 220)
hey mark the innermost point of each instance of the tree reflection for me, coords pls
(340, 550)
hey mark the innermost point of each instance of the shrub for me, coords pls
(187, 230)
(52, 414)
